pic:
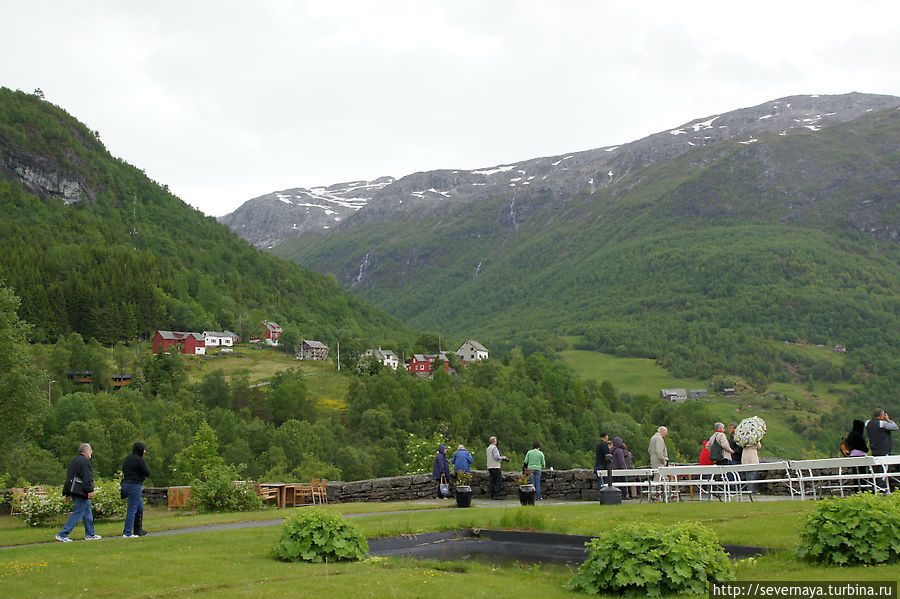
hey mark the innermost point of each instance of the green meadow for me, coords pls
(238, 562)
(785, 407)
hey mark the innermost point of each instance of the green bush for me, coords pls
(218, 490)
(107, 503)
(644, 559)
(313, 535)
(863, 529)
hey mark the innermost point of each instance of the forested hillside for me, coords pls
(67, 212)
(701, 261)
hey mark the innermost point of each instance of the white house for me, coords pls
(385, 356)
(219, 339)
(471, 351)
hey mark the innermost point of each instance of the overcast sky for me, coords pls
(225, 101)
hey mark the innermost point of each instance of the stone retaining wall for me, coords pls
(578, 484)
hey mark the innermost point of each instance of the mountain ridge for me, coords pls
(564, 174)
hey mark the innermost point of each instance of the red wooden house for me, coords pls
(422, 363)
(185, 343)
(268, 331)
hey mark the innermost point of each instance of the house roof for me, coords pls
(271, 326)
(180, 335)
(382, 354)
(315, 344)
(673, 392)
(474, 344)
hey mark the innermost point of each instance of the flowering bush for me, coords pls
(41, 507)
(217, 490)
(107, 503)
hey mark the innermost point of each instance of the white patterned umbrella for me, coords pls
(750, 431)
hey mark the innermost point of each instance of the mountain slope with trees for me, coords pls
(700, 259)
(67, 212)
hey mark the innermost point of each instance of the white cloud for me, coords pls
(224, 101)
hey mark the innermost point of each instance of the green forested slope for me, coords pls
(77, 269)
(699, 261)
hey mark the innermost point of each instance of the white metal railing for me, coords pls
(803, 478)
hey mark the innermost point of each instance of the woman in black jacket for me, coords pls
(134, 471)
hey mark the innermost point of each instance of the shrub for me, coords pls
(41, 509)
(313, 535)
(644, 559)
(107, 503)
(863, 529)
(217, 490)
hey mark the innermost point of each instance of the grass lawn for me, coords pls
(238, 563)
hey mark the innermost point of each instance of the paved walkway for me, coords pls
(425, 503)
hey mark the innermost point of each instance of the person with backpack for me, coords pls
(719, 447)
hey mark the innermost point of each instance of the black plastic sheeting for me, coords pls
(503, 547)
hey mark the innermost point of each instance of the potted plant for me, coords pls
(527, 491)
(463, 488)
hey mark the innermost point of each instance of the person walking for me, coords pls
(79, 488)
(534, 461)
(440, 472)
(134, 471)
(494, 460)
(462, 460)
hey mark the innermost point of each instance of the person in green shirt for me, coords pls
(534, 461)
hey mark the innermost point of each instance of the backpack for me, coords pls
(715, 450)
(845, 448)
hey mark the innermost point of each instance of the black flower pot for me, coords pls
(527, 493)
(463, 496)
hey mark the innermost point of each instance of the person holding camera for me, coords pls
(879, 430)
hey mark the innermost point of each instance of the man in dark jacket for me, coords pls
(600, 461)
(80, 488)
(134, 471)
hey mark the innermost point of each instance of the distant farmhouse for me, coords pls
(385, 356)
(185, 343)
(311, 350)
(729, 392)
(421, 364)
(191, 343)
(266, 331)
(697, 394)
(675, 395)
(220, 339)
(471, 351)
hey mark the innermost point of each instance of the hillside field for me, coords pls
(786, 407)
